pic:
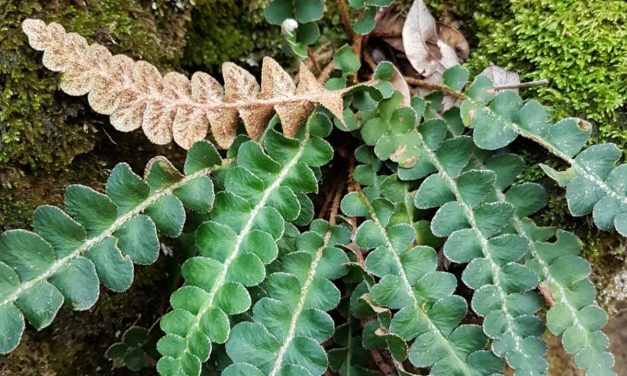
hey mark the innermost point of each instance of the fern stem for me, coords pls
(57, 265)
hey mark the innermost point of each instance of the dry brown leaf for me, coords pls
(134, 94)
(429, 52)
(455, 39)
(389, 27)
(500, 76)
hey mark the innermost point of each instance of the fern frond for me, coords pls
(429, 313)
(135, 350)
(574, 315)
(351, 359)
(556, 264)
(68, 255)
(594, 183)
(291, 321)
(476, 229)
(234, 246)
(134, 94)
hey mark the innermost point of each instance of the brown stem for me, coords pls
(325, 205)
(384, 367)
(433, 86)
(329, 198)
(326, 72)
(521, 85)
(346, 19)
(335, 205)
(323, 47)
(369, 59)
(358, 42)
(387, 34)
(313, 59)
(381, 363)
(546, 294)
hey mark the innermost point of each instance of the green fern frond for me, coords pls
(594, 183)
(574, 315)
(476, 227)
(429, 313)
(291, 321)
(68, 255)
(238, 241)
(556, 263)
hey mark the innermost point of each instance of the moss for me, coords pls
(42, 128)
(227, 30)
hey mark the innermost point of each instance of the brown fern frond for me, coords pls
(134, 94)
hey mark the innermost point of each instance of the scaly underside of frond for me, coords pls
(134, 94)
(248, 218)
(97, 240)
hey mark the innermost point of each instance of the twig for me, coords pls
(346, 19)
(456, 94)
(521, 85)
(313, 59)
(546, 294)
(326, 72)
(369, 60)
(383, 366)
(433, 86)
(335, 205)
